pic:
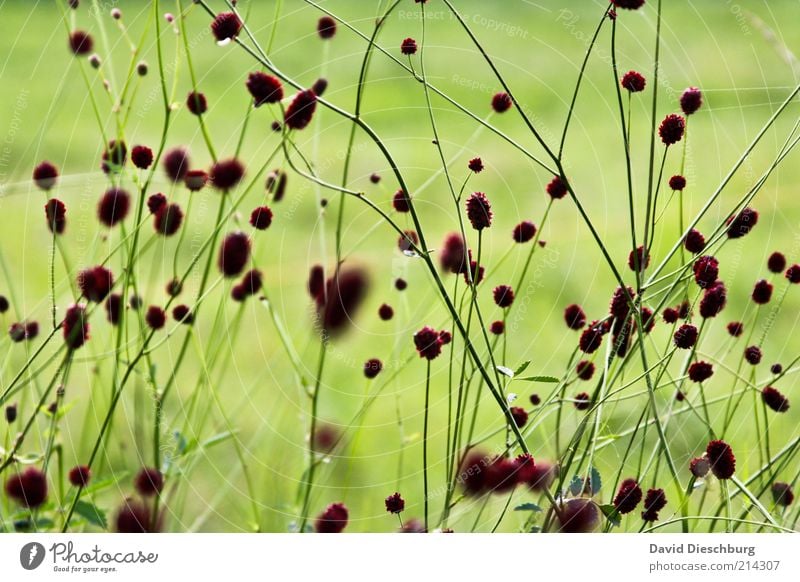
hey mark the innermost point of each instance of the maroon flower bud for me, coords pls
(648, 319)
(149, 482)
(195, 180)
(45, 175)
(476, 165)
(640, 259)
(774, 399)
(80, 42)
(706, 271)
(699, 467)
(501, 102)
(574, 317)
(524, 232)
(793, 274)
(155, 202)
(301, 110)
(535, 399)
(344, 293)
(320, 86)
(557, 188)
(79, 476)
(776, 368)
(776, 262)
(628, 496)
(114, 156)
(196, 103)
(176, 164)
(445, 337)
(276, 185)
(474, 274)
(620, 308)
(385, 312)
(503, 296)
(782, 494)
(633, 82)
(628, 4)
(375, 178)
(691, 100)
(695, 242)
(56, 214)
(671, 129)
(11, 413)
(501, 475)
(332, 520)
(579, 515)
(714, 300)
(497, 327)
(543, 476)
(753, 355)
(735, 328)
(654, 501)
(408, 46)
(372, 368)
(141, 156)
(524, 467)
(583, 401)
(113, 206)
(226, 26)
(700, 371)
(28, 488)
(264, 88)
(741, 224)
(226, 174)
(428, 343)
(670, 315)
(585, 370)
(677, 183)
(721, 458)
(182, 314)
(261, 218)
(75, 327)
(407, 241)
(168, 219)
(155, 317)
(114, 308)
(95, 283)
(479, 211)
(234, 253)
(591, 338)
(16, 332)
(519, 415)
(685, 337)
(134, 517)
(472, 474)
(400, 284)
(453, 257)
(326, 27)
(401, 201)
(395, 503)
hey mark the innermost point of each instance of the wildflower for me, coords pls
(56, 214)
(326, 27)
(114, 156)
(503, 296)
(641, 259)
(333, 519)
(591, 338)
(11, 413)
(176, 164)
(628, 496)
(776, 369)
(80, 42)
(585, 370)
(671, 129)
(320, 86)
(225, 174)
(372, 368)
(95, 283)
(793, 274)
(300, 111)
(226, 26)
(251, 283)
(633, 82)
(583, 401)
(196, 103)
(428, 343)
(524, 232)
(134, 517)
(501, 102)
(685, 337)
(691, 100)
(375, 178)
(385, 312)
(578, 515)
(408, 46)
(113, 206)
(79, 476)
(742, 223)
(557, 188)
(774, 399)
(735, 328)
(628, 4)
(500, 475)
(776, 262)
(149, 482)
(721, 458)
(670, 315)
(476, 165)
(574, 317)
(648, 321)
(343, 295)
(453, 257)
(76, 327)
(401, 201)
(167, 219)
(182, 314)
(782, 494)
(654, 501)
(706, 271)
(445, 337)
(114, 308)
(619, 308)
(400, 284)
(695, 242)
(753, 355)
(407, 241)
(535, 399)
(395, 503)
(174, 287)
(261, 218)
(677, 183)
(520, 416)
(474, 274)
(276, 184)
(264, 88)
(699, 467)
(234, 254)
(714, 300)
(45, 175)
(28, 488)
(195, 180)
(700, 371)
(141, 156)
(479, 211)
(155, 317)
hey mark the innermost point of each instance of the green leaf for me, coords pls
(545, 379)
(576, 485)
(92, 514)
(528, 507)
(611, 513)
(595, 481)
(522, 368)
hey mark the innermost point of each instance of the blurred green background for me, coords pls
(740, 56)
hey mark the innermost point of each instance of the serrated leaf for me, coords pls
(595, 481)
(92, 514)
(505, 371)
(576, 485)
(522, 367)
(528, 507)
(611, 513)
(545, 379)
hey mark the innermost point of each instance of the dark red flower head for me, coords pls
(168, 219)
(753, 355)
(400, 284)
(176, 164)
(520, 416)
(114, 308)
(226, 26)
(501, 102)
(524, 232)
(261, 218)
(428, 343)
(320, 86)
(654, 501)
(776, 262)
(407, 241)
(714, 300)
(497, 327)
(793, 274)
(500, 475)
(264, 88)
(385, 312)
(225, 174)
(342, 296)
(686, 336)
(56, 214)
(695, 242)
(591, 338)
(114, 156)
(45, 175)
(79, 476)
(234, 254)
(453, 257)
(583, 401)
(251, 283)
(155, 317)
(578, 515)
(476, 165)
(742, 223)
(149, 482)
(776, 368)
(408, 46)
(113, 206)
(628, 4)
(326, 27)
(620, 307)
(28, 488)
(721, 458)
(332, 520)
(300, 111)
(134, 517)
(677, 183)
(700, 371)
(395, 503)
(182, 314)
(141, 156)
(585, 370)
(691, 100)
(782, 494)
(503, 296)
(670, 315)
(633, 82)
(706, 271)
(479, 211)
(445, 337)
(195, 180)
(80, 42)
(628, 496)
(543, 476)
(735, 328)
(75, 326)
(557, 188)
(671, 129)
(774, 399)
(574, 317)
(196, 103)
(372, 367)
(95, 283)
(472, 474)
(276, 184)
(699, 467)
(640, 259)
(401, 201)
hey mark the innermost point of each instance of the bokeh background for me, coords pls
(740, 54)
